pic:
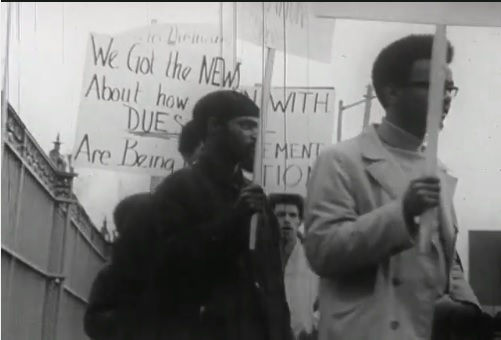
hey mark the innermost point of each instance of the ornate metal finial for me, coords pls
(55, 155)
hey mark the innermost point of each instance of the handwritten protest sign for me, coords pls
(289, 22)
(136, 96)
(299, 124)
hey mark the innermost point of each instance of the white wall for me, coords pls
(48, 44)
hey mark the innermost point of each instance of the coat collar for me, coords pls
(383, 167)
(296, 258)
(380, 164)
(394, 136)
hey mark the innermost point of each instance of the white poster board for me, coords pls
(136, 96)
(289, 26)
(485, 14)
(299, 124)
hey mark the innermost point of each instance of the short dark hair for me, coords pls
(131, 210)
(394, 63)
(189, 139)
(223, 105)
(295, 199)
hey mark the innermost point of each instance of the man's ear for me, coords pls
(213, 126)
(390, 94)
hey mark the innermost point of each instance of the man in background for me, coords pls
(115, 301)
(301, 284)
(365, 197)
(190, 143)
(189, 146)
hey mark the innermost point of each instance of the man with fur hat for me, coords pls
(207, 283)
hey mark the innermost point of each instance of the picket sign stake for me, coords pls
(5, 80)
(258, 156)
(435, 109)
(221, 34)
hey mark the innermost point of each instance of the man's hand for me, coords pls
(252, 199)
(421, 195)
(462, 319)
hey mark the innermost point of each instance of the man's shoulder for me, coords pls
(343, 151)
(179, 182)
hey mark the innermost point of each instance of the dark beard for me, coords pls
(248, 165)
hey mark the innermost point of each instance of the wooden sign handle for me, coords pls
(5, 79)
(435, 110)
(258, 157)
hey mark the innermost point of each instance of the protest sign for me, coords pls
(485, 14)
(289, 26)
(136, 96)
(299, 124)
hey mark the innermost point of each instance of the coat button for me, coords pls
(396, 281)
(394, 325)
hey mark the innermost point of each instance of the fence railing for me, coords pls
(51, 251)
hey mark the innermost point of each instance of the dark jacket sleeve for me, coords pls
(458, 312)
(195, 243)
(100, 319)
(131, 252)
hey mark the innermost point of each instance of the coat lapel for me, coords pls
(447, 216)
(381, 166)
(291, 265)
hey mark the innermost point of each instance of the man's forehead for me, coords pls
(286, 207)
(421, 71)
(246, 119)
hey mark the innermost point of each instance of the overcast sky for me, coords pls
(48, 45)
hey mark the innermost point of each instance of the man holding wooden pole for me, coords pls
(386, 270)
(205, 281)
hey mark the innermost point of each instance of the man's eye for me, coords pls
(246, 126)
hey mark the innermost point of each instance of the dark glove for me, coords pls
(459, 319)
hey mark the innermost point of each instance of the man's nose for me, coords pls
(254, 133)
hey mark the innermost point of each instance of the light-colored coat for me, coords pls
(301, 288)
(374, 284)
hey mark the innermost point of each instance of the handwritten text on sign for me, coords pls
(135, 98)
(299, 124)
(199, 36)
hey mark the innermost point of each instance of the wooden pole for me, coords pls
(340, 121)
(235, 34)
(221, 34)
(5, 80)
(435, 110)
(368, 103)
(258, 157)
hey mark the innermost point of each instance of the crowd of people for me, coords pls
(181, 267)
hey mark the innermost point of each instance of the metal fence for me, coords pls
(51, 252)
